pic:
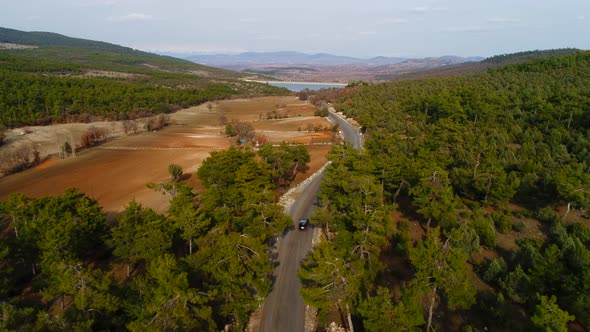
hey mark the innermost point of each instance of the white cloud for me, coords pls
(267, 37)
(581, 18)
(426, 9)
(468, 29)
(33, 18)
(131, 17)
(188, 48)
(393, 21)
(248, 20)
(367, 33)
(503, 20)
(94, 3)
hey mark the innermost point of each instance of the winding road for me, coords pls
(284, 310)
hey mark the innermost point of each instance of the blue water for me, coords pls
(302, 86)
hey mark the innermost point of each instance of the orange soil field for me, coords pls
(118, 171)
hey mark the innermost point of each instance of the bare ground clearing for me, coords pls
(255, 108)
(118, 171)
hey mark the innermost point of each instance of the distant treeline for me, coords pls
(47, 40)
(38, 38)
(40, 92)
(529, 55)
(29, 99)
(11, 62)
(58, 81)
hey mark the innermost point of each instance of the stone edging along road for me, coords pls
(284, 309)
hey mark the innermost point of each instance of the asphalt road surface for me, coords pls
(351, 135)
(284, 310)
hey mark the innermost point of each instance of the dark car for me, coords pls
(303, 223)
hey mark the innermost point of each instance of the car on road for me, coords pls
(303, 223)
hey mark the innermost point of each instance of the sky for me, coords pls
(361, 28)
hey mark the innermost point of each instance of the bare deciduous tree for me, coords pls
(92, 137)
(261, 139)
(129, 126)
(241, 130)
(158, 123)
(222, 119)
(19, 158)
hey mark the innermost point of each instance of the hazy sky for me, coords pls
(363, 28)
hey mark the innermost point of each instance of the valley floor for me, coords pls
(118, 171)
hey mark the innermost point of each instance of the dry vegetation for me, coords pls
(127, 156)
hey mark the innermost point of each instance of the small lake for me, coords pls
(298, 86)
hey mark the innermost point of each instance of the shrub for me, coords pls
(229, 129)
(519, 226)
(222, 119)
(323, 112)
(84, 118)
(164, 120)
(547, 215)
(175, 172)
(465, 214)
(496, 269)
(261, 139)
(66, 149)
(581, 231)
(466, 237)
(130, 126)
(241, 130)
(303, 94)
(151, 125)
(92, 136)
(19, 159)
(403, 236)
(485, 230)
(515, 283)
(503, 223)
(157, 123)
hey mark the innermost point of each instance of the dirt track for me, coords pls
(118, 171)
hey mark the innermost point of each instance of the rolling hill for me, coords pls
(284, 58)
(297, 66)
(49, 78)
(91, 54)
(482, 66)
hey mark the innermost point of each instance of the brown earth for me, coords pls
(11, 46)
(118, 171)
(533, 229)
(252, 109)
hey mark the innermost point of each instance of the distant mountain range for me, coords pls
(247, 59)
(298, 66)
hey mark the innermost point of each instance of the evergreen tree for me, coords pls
(549, 316)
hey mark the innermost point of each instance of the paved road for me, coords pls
(351, 135)
(284, 310)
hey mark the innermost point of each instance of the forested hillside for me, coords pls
(505, 59)
(101, 55)
(473, 160)
(484, 65)
(66, 78)
(66, 265)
